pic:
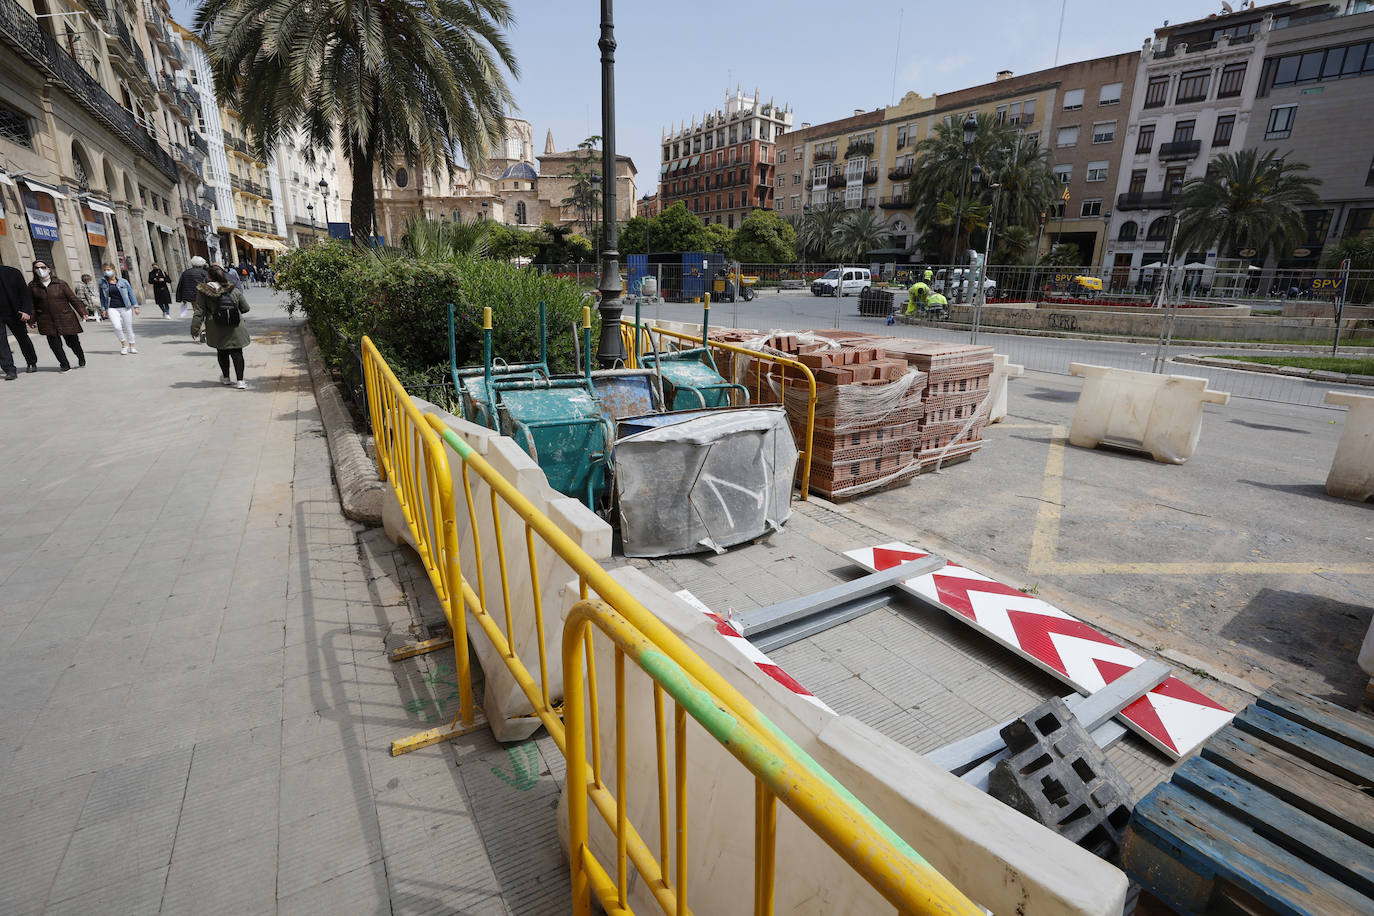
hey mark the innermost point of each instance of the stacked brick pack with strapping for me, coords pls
(958, 378)
(868, 409)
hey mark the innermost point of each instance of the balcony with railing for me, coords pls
(191, 161)
(836, 180)
(199, 144)
(823, 155)
(859, 148)
(1145, 200)
(207, 194)
(21, 32)
(175, 59)
(195, 211)
(153, 21)
(897, 202)
(237, 144)
(1180, 149)
(900, 173)
(871, 176)
(166, 89)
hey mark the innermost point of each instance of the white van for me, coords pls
(956, 284)
(856, 281)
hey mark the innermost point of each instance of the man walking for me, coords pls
(16, 310)
(191, 277)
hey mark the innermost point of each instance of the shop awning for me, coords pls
(695, 160)
(262, 243)
(247, 240)
(6, 179)
(43, 188)
(98, 207)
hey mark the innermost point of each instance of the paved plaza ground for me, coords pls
(196, 703)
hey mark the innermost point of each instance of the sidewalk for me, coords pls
(195, 698)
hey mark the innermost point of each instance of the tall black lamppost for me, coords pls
(609, 350)
(970, 134)
(310, 208)
(324, 203)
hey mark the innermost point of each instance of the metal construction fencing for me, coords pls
(414, 452)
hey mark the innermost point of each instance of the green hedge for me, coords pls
(402, 304)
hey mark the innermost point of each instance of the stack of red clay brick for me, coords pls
(868, 412)
(957, 386)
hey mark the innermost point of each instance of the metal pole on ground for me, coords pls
(1341, 296)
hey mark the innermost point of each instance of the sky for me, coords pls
(824, 59)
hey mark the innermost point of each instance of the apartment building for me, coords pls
(1313, 104)
(1195, 97)
(1076, 110)
(98, 146)
(723, 167)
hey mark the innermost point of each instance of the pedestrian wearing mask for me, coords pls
(16, 311)
(58, 312)
(162, 290)
(219, 310)
(121, 305)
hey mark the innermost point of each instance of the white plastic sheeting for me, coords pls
(705, 483)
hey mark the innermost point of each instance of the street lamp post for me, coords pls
(970, 134)
(609, 350)
(324, 203)
(1165, 302)
(310, 208)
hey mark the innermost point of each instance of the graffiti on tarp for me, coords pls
(1064, 322)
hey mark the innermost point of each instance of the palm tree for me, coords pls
(817, 232)
(973, 218)
(1014, 243)
(1007, 157)
(441, 240)
(860, 232)
(1246, 200)
(420, 83)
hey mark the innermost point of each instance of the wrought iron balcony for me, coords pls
(823, 155)
(899, 202)
(199, 144)
(1145, 200)
(836, 181)
(195, 211)
(207, 194)
(1180, 149)
(166, 88)
(190, 161)
(900, 173)
(871, 176)
(175, 59)
(859, 148)
(21, 32)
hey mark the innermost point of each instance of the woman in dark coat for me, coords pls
(213, 298)
(162, 290)
(57, 310)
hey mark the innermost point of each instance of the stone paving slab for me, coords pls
(195, 701)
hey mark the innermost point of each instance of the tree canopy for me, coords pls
(414, 83)
(1246, 200)
(764, 238)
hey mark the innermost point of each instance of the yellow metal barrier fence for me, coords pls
(781, 768)
(759, 395)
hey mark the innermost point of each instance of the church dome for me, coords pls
(520, 171)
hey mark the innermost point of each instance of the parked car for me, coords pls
(856, 281)
(956, 284)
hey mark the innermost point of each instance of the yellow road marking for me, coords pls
(1045, 538)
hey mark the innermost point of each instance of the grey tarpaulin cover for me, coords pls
(706, 482)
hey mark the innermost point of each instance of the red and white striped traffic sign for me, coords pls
(1173, 717)
(751, 654)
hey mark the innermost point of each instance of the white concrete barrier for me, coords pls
(998, 857)
(1352, 470)
(1141, 411)
(504, 703)
(1003, 369)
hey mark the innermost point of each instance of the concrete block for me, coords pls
(1003, 370)
(1157, 414)
(1352, 470)
(1057, 775)
(999, 858)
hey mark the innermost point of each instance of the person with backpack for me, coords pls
(220, 307)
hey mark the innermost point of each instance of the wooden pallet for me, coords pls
(1274, 816)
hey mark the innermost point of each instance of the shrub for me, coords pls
(401, 303)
